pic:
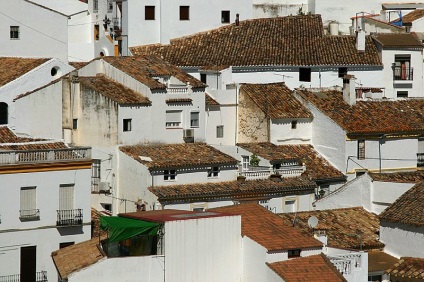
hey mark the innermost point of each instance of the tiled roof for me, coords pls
(276, 100)
(380, 261)
(398, 40)
(408, 208)
(399, 177)
(113, 90)
(317, 268)
(341, 226)
(178, 155)
(280, 41)
(267, 228)
(9, 141)
(78, 65)
(408, 267)
(95, 223)
(76, 257)
(179, 100)
(413, 16)
(210, 101)
(11, 68)
(369, 117)
(233, 189)
(317, 168)
(146, 68)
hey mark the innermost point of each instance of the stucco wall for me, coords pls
(385, 193)
(283, 133)
(254, 258)
(402, 240)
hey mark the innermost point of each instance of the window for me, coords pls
(375, 278)
(361, 149)
(402, 68)
(194, 119)
(213, 171)
(28, 263)
(342, 72)
(149, 12)
(54, 71)
(289, 206)
(75, 123)
(402, 94)
(95, 5)
(184, 13)
(14, 32)
(109, 6)
(225, 16)
(245, 163)
(66, 197)
(4, 113)
(294, 253)
(96, 32)
(305, 74)
(294, 124)
(203, 77)
(220, 131)
(127, 124)
(169, 175)
(173, 118)
(28, 207)
(95, 175)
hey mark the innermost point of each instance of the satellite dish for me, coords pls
(313, 221)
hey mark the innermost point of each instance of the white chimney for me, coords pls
(360, 40)
(349, 93)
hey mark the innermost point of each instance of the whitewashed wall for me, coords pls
(282, 132)
(254, 258)
(189, 255)
(402, 240)
(279, 8)
(384, 194)
(217, 116)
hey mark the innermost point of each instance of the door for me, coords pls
(28, 263)
(66, 202)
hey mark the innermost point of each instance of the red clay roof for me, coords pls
(340, 225)
(397, 40)
(408, 208)
(275, 100)
(409, 268)
(280, 41)
(380, 261)
(11, 67)
(267, 228)
(399, 177)
(210, 101)
(413, 16)
(170, 215)
(178, 155)
(315, 268)
(369, 117)
(233, 189)
(9, 141)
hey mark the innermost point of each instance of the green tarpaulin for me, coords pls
(121, 228)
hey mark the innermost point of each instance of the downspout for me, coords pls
(236, 121)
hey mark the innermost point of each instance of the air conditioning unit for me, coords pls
(104, 186)
(188, 133)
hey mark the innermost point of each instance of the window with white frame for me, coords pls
(127, 123)
(14, 32)
(95, 5)
(220, 131)
(173, 118)
(28, 204)
(290, 205)
(169, 174)
(361, 149)
(194, 119)
(245, 163)
(213, 171)
(66, 197)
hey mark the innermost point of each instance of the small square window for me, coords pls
(75, 123)
(402, 94)
(127, 124)
(194, 119)
(213, 172)
(169, 175)
(305, 74)
(184, 13)
(294, 124)
(294, 253)
(342, 72)
(361, 149)
(225, 16)
(14, 32)
(220, 131)
(149, 12)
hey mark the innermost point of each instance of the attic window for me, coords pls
(305, 74)
(361, 149)
(294, 124)
(203, 77)
(294, 253)
(149, 12)
(127, 124)
(184, 13)
(169, 175)
(342, 72)
(225, 16)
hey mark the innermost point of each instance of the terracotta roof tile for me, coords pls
(78, 65)
(276, 100)
(315, 268)
(369, 117)
(9, 141)
(399, 177)
(380, 261)
(233, 189)
(397, 40)
(412, 16)
(95, 223)
(210, 101)
(339, 223)
(267, 228)
(408, 267)
(146, 68)
(317, 168)
(11, 68)
(408, 208)
(280, 41)
(113, 90)
(178, 155)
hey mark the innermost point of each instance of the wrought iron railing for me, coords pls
(402, 73)
(69, 217)
(42, 156)
(420, 159)
(39, 277)
(28, 215)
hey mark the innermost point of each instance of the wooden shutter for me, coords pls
(66, 197)
(28, 199)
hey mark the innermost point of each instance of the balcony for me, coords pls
(39, 277)
(44, 156)
(420, 160)
(346, 264)
(263, 172)
(402, 73)
(69, 217)
(29, 215)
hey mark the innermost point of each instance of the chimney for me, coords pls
(349, 94)
(360, 40)
(237, 19)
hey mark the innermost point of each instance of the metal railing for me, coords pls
(28, 215)
(420, 159)
(39, 277)
(69, 217)
(344, 263)
(262, 172)
(42, 156)
(402, 73)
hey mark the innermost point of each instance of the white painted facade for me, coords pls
(278, 8)
(402, 240)
(282, 133)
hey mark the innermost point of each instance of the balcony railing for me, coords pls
(69, 217)
(177, 90)
(262, 172)
(44, 156)
(420, 159)
(28, 215)
(39, 277)
(402, 73)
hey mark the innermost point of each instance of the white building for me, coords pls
(44, 204)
